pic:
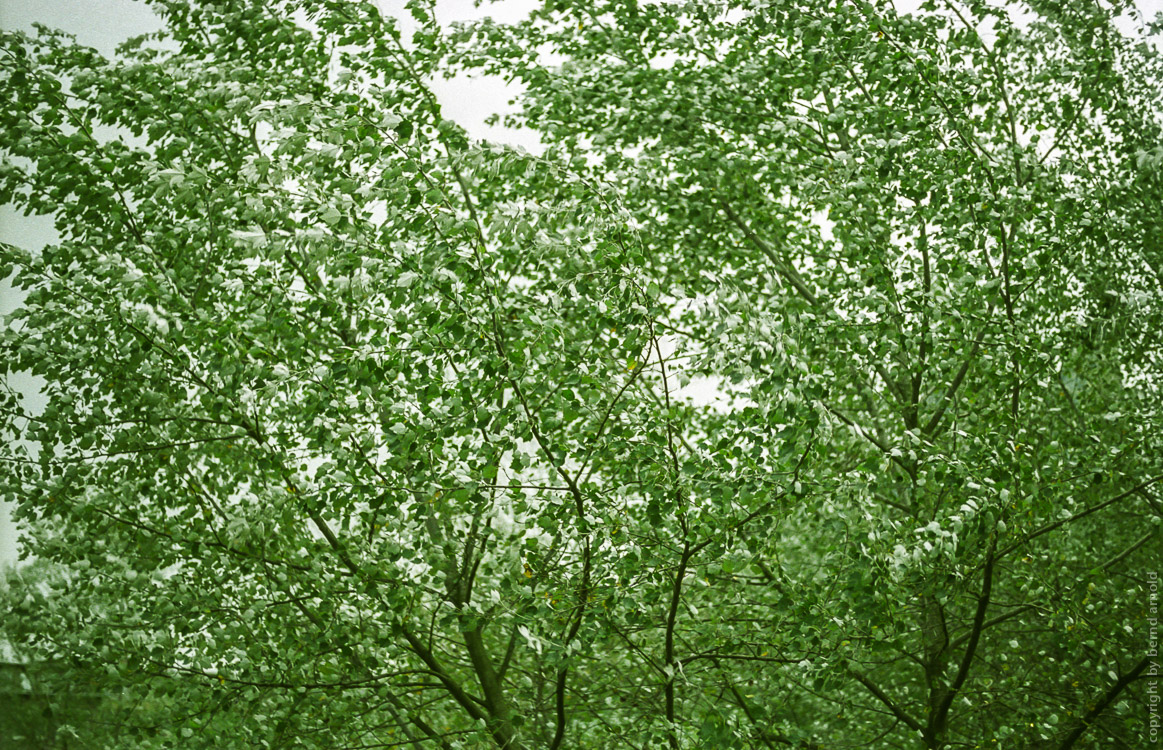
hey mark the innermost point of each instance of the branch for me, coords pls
(315, 620)
(790, 274)
(1052, 526)
(585, 475)
(671, 664)
(996, 620)
(739, 699)
(881, 696)
(941, 715)
(1129, 550)
(1086, 721)
(499, 730)
(954, 384)
(563, 671)
(467, 702)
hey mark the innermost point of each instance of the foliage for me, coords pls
(360, 433)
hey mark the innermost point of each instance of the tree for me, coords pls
(363, 434)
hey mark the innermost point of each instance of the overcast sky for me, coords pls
(99, 23)
(104, 24)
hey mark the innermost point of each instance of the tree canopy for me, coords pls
(362, 433)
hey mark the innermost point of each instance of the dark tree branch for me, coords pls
(1083, 514)
(940, 717)
(883, 697)
(671, 664)
(954, 384)
(783, 269)
(1112, 694)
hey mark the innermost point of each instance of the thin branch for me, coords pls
(790, 274)
(1129, 550)
(1121, 683)
(939, 717)
(671, 664)
(1070, 519)
(881, 696)
(995, 620)
(955, 384)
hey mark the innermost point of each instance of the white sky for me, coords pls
(105, 23)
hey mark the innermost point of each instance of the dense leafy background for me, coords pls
(360, 433)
